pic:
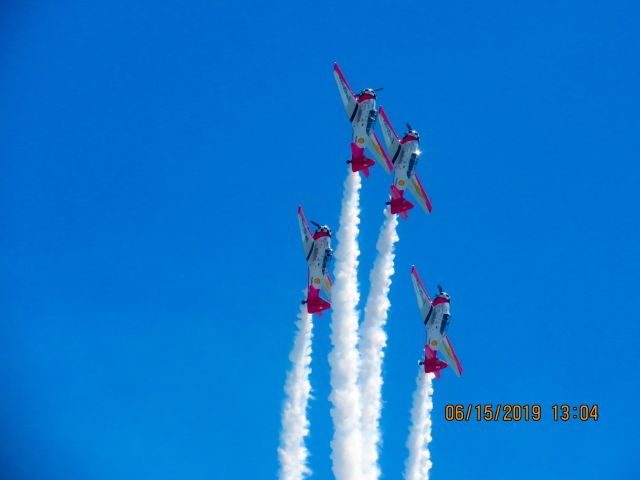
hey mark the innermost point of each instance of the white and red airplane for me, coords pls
(362, 113)
(404, 154)
(317, 250)
(436, 317)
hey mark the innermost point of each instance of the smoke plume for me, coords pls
(372, 343)
(346, 445)
(418, 464)
(292, 452)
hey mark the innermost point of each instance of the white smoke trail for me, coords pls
(372, 343)
(418, 464)
(345, 395)
(292, 452)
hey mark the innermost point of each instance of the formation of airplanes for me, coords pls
(404, 152)
(399, 158)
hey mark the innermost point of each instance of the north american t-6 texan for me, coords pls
(317, 250)
(362, 113)
(404, 153)
(436, 316)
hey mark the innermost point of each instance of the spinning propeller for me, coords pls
(324, 228)
(374, 89)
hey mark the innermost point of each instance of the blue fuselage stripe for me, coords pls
(428, 314)
(395, 156)
(353, 115)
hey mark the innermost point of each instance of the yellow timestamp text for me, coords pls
(510, 412)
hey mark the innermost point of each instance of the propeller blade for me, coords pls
(440, 288)
(378, 89)
(316, 224)
(409, 126)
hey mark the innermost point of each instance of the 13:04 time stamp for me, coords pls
(510, 412)
(584, 413)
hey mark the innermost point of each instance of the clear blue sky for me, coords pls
(153, 155)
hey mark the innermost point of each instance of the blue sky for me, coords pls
(153, 155)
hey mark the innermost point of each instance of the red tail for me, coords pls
(359, 161)
(315, 303)
(432, 364)
(398, 203)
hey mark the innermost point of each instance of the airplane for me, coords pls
(317, 249)
(437, 318)
(362, 113)
(404, 154)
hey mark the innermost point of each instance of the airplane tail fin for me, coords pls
(398, 203)
(432, 364)
(359, 161)
(315, 303)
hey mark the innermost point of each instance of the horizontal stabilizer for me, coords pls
(359, 161)
(315, 303)
(398, 203)
(431, 363)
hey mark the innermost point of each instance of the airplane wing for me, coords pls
(424, 302)
(348, 98)
(390, 136)
(326, 286)
(305, 232)
(381, 156)
(419, 194)
(450, 355)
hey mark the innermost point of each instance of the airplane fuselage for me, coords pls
(363, 121)
(436, 322)
(318, 260)
(405, 162)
